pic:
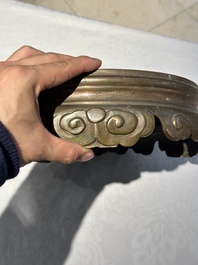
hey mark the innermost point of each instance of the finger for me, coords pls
(65, 151)
(54, 74)
(43, 58)
(24, 52)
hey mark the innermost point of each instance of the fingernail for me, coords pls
(87, 156)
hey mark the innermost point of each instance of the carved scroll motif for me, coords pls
(97, 127)
(104, 128)
(176, 124)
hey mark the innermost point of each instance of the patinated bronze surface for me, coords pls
(130, 108)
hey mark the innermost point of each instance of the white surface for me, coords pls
(117, 209)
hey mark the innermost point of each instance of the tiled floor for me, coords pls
(174, 18)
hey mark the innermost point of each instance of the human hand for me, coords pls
(23, 76)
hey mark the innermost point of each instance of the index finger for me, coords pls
(56, 73)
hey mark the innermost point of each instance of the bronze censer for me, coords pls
(129, 108)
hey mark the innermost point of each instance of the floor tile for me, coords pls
(59, 5)
(163, 17)
(36, 2)
(186, 3)
(139, 14)
(181, 26)
(193, 12)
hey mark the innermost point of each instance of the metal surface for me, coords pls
(110, 107)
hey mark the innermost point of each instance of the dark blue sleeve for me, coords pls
(9, 158)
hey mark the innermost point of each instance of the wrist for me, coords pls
(10, 152)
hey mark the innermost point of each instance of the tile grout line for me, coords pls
(180, 5)
(74, 12)
(160, 24)
(190, 14)
(164, 22)
(185, 9)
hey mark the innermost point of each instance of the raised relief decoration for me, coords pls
(99, 127)
(108, 108)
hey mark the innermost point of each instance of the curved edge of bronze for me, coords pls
(131, 108)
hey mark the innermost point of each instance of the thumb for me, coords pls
(65, 151)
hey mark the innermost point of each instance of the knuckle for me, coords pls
(70, 157)
(83, 57)
(65, 64)
(25, 49)
(53, 54)
(59, 58)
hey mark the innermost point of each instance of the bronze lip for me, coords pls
(113, 86)
(112, 107)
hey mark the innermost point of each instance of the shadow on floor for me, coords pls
(43, 217)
